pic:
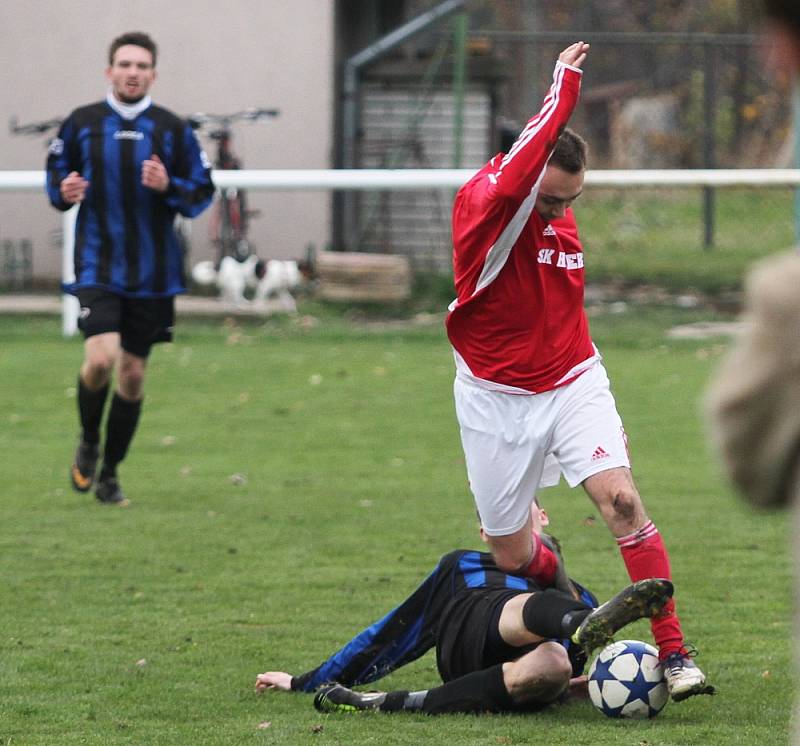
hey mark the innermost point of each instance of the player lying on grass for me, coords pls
(503, 643)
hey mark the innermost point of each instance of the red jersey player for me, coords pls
(532, 396)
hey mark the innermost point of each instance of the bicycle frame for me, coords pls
(230, 218)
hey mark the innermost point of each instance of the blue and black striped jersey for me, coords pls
(410, 630)
(124, 238)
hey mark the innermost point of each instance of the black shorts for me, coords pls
(140, 322)
(462, 637)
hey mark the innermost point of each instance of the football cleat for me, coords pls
(338, 698)
(109, 492)
(644, 598)
(84, 466)
(684, 677)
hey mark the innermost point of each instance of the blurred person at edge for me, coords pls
(753, 404)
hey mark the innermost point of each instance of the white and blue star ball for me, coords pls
(626, 680)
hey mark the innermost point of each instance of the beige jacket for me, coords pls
(753, 405)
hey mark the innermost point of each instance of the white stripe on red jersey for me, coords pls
(518, 319)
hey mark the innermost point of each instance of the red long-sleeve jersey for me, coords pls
(518, 322)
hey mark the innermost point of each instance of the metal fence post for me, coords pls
(69, 303)
(709, 130)
(459, 84)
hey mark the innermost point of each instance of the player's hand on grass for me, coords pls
(574, 54)
(274, 680)
(579, 687)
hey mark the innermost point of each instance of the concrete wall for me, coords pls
(214, 57)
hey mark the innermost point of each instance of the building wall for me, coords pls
(215, 57)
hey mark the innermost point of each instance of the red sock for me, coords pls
(543, 565)
(645, 556)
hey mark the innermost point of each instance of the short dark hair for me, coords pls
(784, 11)
(137, 38)
(570, 152)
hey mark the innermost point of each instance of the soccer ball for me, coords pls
(626, 681)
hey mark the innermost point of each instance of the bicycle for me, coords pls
(231, 216)
(33, 128)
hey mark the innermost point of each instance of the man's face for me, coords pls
(131, 73)
(558, 190)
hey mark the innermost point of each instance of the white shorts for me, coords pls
(515, 444)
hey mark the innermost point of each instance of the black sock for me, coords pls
(553, 614)
(479, 691)
(90, 410)
(123, 416)
(396, 701)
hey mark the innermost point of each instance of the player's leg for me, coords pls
(123, 418)
(505, 458)
(144, 323)
(645, 555)
(590, 443)
(99, 323)
(100, 354)
(538, 677)
(529, 618)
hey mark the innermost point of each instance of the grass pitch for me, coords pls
(290, 483)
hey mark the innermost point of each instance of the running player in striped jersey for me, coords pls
(532, 396)
(132, 166)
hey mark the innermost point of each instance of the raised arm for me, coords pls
(520, 169)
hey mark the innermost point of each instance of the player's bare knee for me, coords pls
(511, 552)
(131, 386)
(542, 675)
(622, 507)
(97, 369)
(511, 562)
(626, 503)
(131, 378)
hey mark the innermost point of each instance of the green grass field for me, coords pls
(290, 483)
(655, 236)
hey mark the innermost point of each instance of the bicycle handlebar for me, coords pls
(33, 128)
(196, 121)
(200, 119)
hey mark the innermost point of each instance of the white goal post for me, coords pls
(400, 179)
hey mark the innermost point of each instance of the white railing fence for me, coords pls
(400, 179)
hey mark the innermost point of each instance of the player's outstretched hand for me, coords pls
(574, 54)
(274, 680)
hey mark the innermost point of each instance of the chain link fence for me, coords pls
(656, 100)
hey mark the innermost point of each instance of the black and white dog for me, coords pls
(269, 280)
